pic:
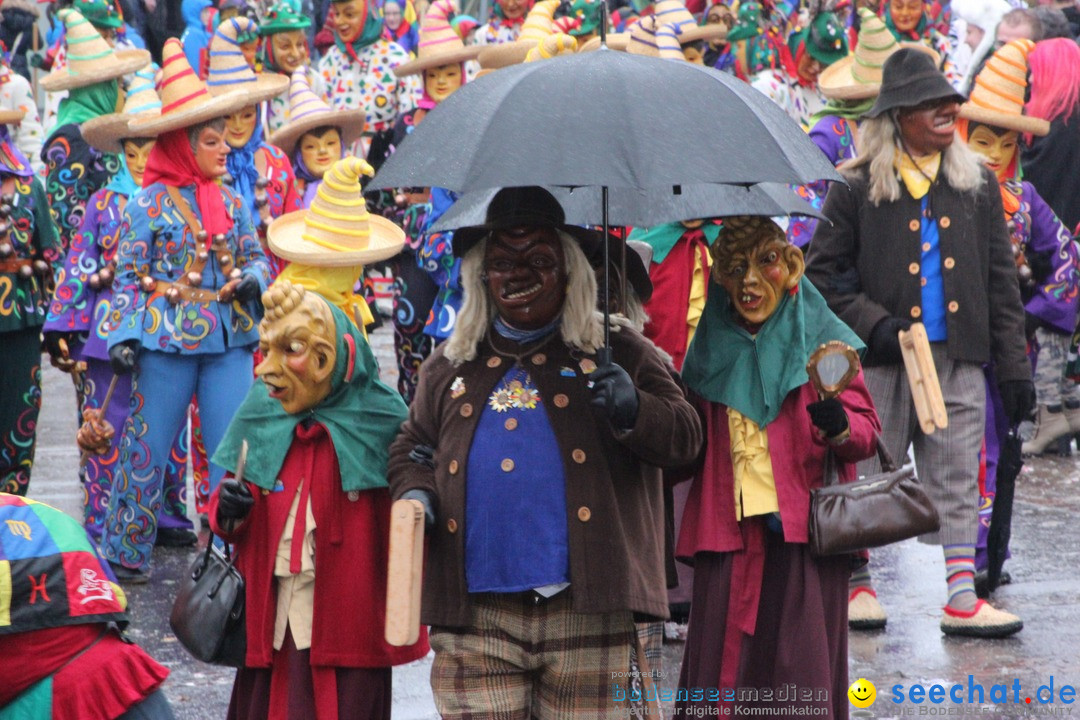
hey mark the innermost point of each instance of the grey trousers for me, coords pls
(1051, 385)
(947, 461)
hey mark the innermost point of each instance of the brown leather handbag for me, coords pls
(870, 512)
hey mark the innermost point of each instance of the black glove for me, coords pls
(1031, 324)
(1041, 266)
(1017, 398)
(423, 455)
(234, 500)
(122, 356)
(884, 344)
(248, 289)
(828, 416)
(52, 342)
(614, 392)
(425, 499)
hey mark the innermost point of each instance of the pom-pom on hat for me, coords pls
(107, 133)
(230, 71)
(539, 23)
(337, 230)
(997, 98)
(185, 100)
(90, 59)
(308, 112)
(439, 42)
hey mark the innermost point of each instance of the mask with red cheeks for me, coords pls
(755, 264)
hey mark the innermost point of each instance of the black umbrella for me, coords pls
(997, 538)
(645, 208)
(604, 118)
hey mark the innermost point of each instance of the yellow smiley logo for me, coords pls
(862, 693)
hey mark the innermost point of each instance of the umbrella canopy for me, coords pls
(554, 123)
(645, 208)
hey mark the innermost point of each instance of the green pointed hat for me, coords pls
(825, 39)
(284, 16)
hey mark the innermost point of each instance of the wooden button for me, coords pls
(451, 526)
(454, 467)
(914, 225)
(507, 465)
(916, 311)
(926, 247)
(560, 400)
(949, 263)
(466, 410)
(945, 222)
(578, 455)
(539, 359)
(494, 362)
(510, 424)
(913, 268)
(584, 513)
(954, 306)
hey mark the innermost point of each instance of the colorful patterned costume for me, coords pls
(74, 171)
(835, 136)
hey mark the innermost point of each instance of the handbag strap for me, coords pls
(206, 561)
(832, 473)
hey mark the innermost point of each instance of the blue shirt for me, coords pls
(933, 286)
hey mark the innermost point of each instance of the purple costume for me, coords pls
(835, 136)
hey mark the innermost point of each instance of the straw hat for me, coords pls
(106, 133)
(25, 6)
(90, 59)
(682, 27)
(858, 76)
(997, 97)
(308, 112)
(552, 46)
(337, 230)
(185, 101)
(615, 41)
(11, 117)
(439, 43)
(230, 71)
(539, 23)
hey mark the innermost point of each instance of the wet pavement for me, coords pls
(909, 578)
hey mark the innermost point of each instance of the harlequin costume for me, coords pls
(323, 467)
(283, 16)
(30, 252)
(81, 312)
(538, 24)
(74, 170)
(406, 34)
(183, 239)
(765, 612)
(359, 76)
(499, 29)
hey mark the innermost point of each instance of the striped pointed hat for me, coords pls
(553, 46)
(997, 97)
(439, 42)
(337, 230)
(681, 27)
(230, 71)
(107, 133)
(539, 23)
(308, 112)
(90, 59)
(185, 101)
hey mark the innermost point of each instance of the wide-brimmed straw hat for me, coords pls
(185, 100)
(230, 71)
(308, 112)
(858, 76)
(674, 12)
(90, 59)
(106, 133)
(908, 79)
(11, 117)
(521, 207)
(614, 41)
(337, 230)
(439, 42)
(997, 98)
(539, 23)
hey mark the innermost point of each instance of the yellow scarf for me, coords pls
(917, 177)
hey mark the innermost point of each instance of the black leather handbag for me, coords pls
(208, 614)
(870, 512)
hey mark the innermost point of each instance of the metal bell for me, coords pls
(95, 281)
(201, 237)
(6, 250)
(172, 295)
(235, 274)
(219, 238)
(261, 199)
(1015, 250)
(224, 258)
(261, 183)
(147, 284)
(41, 267)
(202, 256)
(194, 278)
(1024, 271)
(26, 272)
(106, 275)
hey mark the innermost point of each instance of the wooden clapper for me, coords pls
(922, 376)
(404, 572)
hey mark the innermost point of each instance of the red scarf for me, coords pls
(172, 162)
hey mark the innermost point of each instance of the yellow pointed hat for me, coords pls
(337, 229)
(439, 42)
(185, 100)
(553, 46)
(106, 133)
(539, 23)
(90, 59)
(308, 112)
(230, 71)
(997, 97)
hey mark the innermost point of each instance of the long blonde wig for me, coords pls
(878, 144)
(580, 325)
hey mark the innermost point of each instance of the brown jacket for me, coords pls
(614, 502)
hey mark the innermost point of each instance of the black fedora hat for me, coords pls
(910, 78)
(521, 207)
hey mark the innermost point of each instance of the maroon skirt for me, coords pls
(797, 656)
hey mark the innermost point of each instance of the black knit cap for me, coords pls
(910, 78)
(521, 207)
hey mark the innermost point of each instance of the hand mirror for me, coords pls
(832, 367)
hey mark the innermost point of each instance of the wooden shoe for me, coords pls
(864, 610)
(984, 621)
